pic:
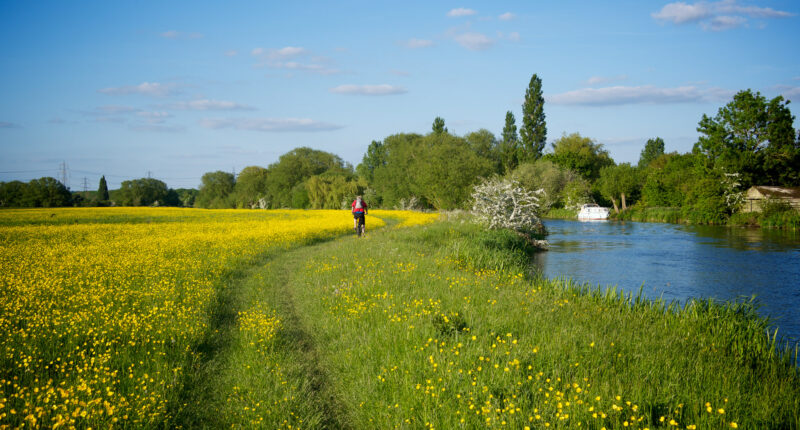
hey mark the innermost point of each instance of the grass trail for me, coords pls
(258, 366)
(439, 327)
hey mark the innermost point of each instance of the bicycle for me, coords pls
(361, 227)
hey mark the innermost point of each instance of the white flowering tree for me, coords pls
(502, 203)
(734, 196)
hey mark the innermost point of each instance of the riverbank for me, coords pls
(656, 214)
(784, 220)
(441, 326)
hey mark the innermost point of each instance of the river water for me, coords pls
(678, 262)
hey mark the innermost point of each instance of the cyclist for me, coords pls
(359, 207)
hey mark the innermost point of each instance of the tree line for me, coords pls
(750, 141)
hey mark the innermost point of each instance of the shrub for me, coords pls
(504, 204)
(771, 206)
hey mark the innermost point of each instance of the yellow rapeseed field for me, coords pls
(101, 307)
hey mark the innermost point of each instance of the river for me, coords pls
(678, 262)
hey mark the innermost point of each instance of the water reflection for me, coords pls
(677, 262)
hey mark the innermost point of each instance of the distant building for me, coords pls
(755, 195)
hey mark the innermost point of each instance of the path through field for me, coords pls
(223, 385)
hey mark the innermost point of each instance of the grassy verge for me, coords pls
(561, 213)
(654, 214)
(438, 326)
(787, 220)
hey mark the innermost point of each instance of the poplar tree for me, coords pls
(102, 190)
(534, 128)
(509, 147)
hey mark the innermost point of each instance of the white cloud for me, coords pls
(231, 53)
(731, 7)
(308, 67)
(460, 12)
(154, 117)
(715, 16)
(206, 104)
(648, 94)
(172, 34)
(159, 128)
(280, 54)
(417, 43)
(789, 92)
(513, 36)
(286, 58)
(474, 41)
(115, 109)
(369, 90)
(6, 124)
(680, 13)
(400, 73)
(725, 22)
(269, 124)
(288, 52)
(595, 80)
(154, 89)
(508, 16)
(111, 119)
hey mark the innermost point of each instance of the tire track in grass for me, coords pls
(219, 359)
(198, 403)
(299, 339)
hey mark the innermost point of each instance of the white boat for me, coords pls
(592, 211)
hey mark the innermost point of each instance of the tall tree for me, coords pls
(331, 190)
(287, 176)
(509, 147)
(373, 158)
(618, 181)
(752, 137)
(548, 176)
(392, 179)
(438, 125)
(142, 192)
(215, 190)
(46, 192)
(653, 149)
(250, 190)
(102, 189)
(782, 154)
(668, 179)
(12, 194)
(445, 169)
(580, 154)
(534, 128)
(486, 146)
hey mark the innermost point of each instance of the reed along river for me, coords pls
(678, 262)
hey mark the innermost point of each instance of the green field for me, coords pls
(443, 326)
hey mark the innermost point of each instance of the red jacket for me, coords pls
(362, 209)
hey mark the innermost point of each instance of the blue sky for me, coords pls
(175, 89)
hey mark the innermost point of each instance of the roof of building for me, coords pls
(776, 192)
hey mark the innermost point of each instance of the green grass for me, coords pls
(787, 220)
(561, 213)
(442, 326)
(651, 214)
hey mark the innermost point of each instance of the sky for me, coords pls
(175, 89)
